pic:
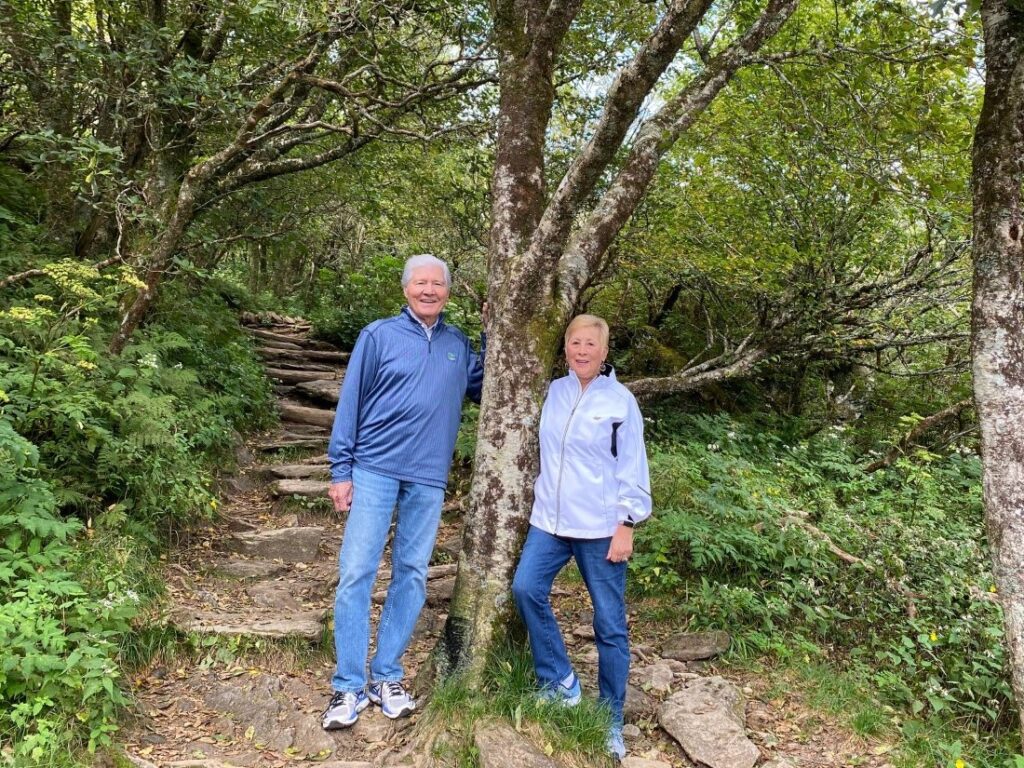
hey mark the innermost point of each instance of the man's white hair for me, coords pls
(424, 260)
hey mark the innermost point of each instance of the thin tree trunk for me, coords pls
(998, 313)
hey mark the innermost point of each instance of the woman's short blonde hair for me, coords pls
(588, 321)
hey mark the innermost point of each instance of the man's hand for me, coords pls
(341, 495)
(622, 544)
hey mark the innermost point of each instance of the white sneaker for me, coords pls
(343, 709)
(392, 698)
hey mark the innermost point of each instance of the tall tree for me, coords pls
(545, 249)
(998, 311)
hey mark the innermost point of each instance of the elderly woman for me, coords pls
(592, 489)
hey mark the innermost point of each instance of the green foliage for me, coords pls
(744, 519)
(128, 437)
(59, 630)
(98, 455)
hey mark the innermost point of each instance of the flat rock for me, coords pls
(304, 488)
(439, 591)
(291, 545)
(302, 414)
(639, 705)
(324, 390)
(307, 625)
(642, 762)
(276, 723)
(250, 569)
(501, 746)
(584, 632)
(280, 595)
(298, 471)
(693, 646)
(372, 727)
(779, 762)
(706, 718)
(657, 677)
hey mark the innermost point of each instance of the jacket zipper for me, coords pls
(561, 459)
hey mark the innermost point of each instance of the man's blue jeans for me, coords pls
(543, 557)
(419, 511)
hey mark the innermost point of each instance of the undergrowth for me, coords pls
(100, 457)
(804, 557)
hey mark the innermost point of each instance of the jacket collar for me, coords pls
(607, 373)
(407, 311)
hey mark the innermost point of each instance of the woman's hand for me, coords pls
(622, 544)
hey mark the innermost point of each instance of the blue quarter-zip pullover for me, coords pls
(401, 401)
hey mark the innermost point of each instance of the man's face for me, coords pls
(427, 292)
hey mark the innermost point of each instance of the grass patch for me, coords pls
(576, 734)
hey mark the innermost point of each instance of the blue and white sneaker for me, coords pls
(343, 709)
(615, 745)
(566, 692)
(392, 698)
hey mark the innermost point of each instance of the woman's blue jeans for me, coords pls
(544, 555)
(374, 499)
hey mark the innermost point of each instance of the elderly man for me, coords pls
(392, 444)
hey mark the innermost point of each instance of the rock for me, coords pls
(323, 391)
(291, 545)
(239, 484)
(298, 471)
(302, 414)
(641, 762)
(253, 705)
(305, 488)
(779, 762)
(677, 667)
(298, 376)
(501, 746)
(449, 549)
(439, 591)
(584, 632)
(372, 726)
(706, 718)
(429, 623)
(307, 625)
(290, 521)
(656, 677)
(275, 721)
(693, 646)
(243, 455)
(638, 706)
(274, 594)
(630, 731)
(250, 569)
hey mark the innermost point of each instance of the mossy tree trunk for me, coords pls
(998, 312)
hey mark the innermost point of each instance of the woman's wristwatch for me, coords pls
(628, 523)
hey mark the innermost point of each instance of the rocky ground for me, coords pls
(251, 596)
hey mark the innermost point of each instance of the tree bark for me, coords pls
(998, 313)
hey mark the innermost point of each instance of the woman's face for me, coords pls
(585, 352)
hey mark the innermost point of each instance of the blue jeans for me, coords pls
(543, 557)
(374, 498)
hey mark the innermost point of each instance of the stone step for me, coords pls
(318, 355)
(308, 625)
(285, 338)
(301, 414)
(299, 487)
(323, 391)
(297, 376)
(285, 442)
(250, 569)
(297, 471)
(290, 545)
(304, 365)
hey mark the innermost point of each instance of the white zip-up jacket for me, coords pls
(593, 463)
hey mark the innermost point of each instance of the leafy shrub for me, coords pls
(743, 527)
(59, 640)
